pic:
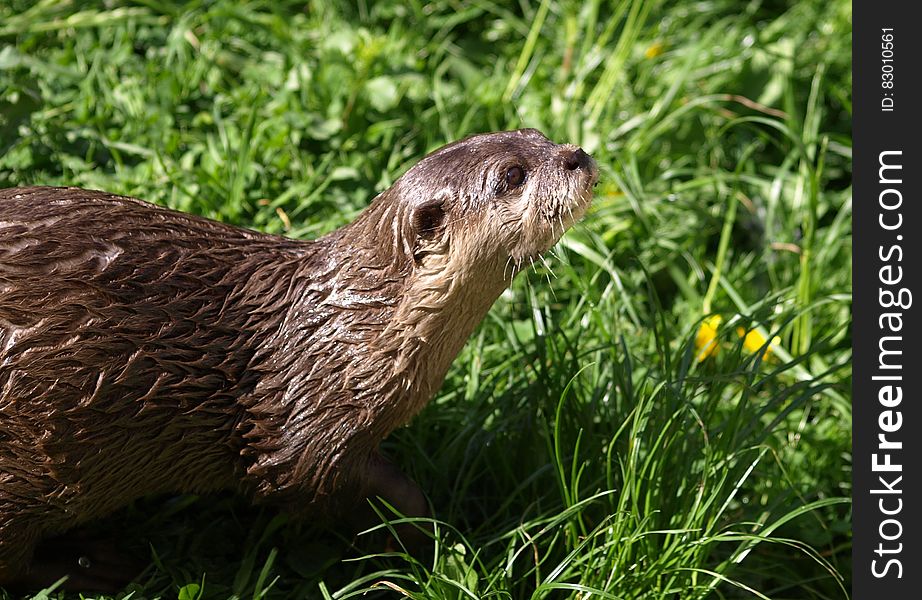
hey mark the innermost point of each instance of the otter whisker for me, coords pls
(548, 268)
(509, 262)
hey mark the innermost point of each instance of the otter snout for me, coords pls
(575, 158)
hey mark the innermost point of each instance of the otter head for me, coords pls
(448, 236)
(484, 206)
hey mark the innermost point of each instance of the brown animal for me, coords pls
(145, 351)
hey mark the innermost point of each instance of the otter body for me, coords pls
(143, 350)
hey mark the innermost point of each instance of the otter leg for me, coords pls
(384, 480)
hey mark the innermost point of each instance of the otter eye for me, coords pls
(515, 176)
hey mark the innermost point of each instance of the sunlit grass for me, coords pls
(583, 444)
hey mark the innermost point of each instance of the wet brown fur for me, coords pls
(143, 350)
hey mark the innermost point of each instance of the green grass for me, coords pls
(577, 448)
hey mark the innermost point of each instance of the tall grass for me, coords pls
(580, 446)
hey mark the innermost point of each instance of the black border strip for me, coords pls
(886, 56)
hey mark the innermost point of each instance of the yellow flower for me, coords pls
(706, 339)
(753, 341)
(655, 49)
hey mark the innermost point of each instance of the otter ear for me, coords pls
(428, 217)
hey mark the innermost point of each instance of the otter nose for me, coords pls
(576, 159)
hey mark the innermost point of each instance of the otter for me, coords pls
(147, 351)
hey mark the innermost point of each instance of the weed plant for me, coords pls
(596, 437)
